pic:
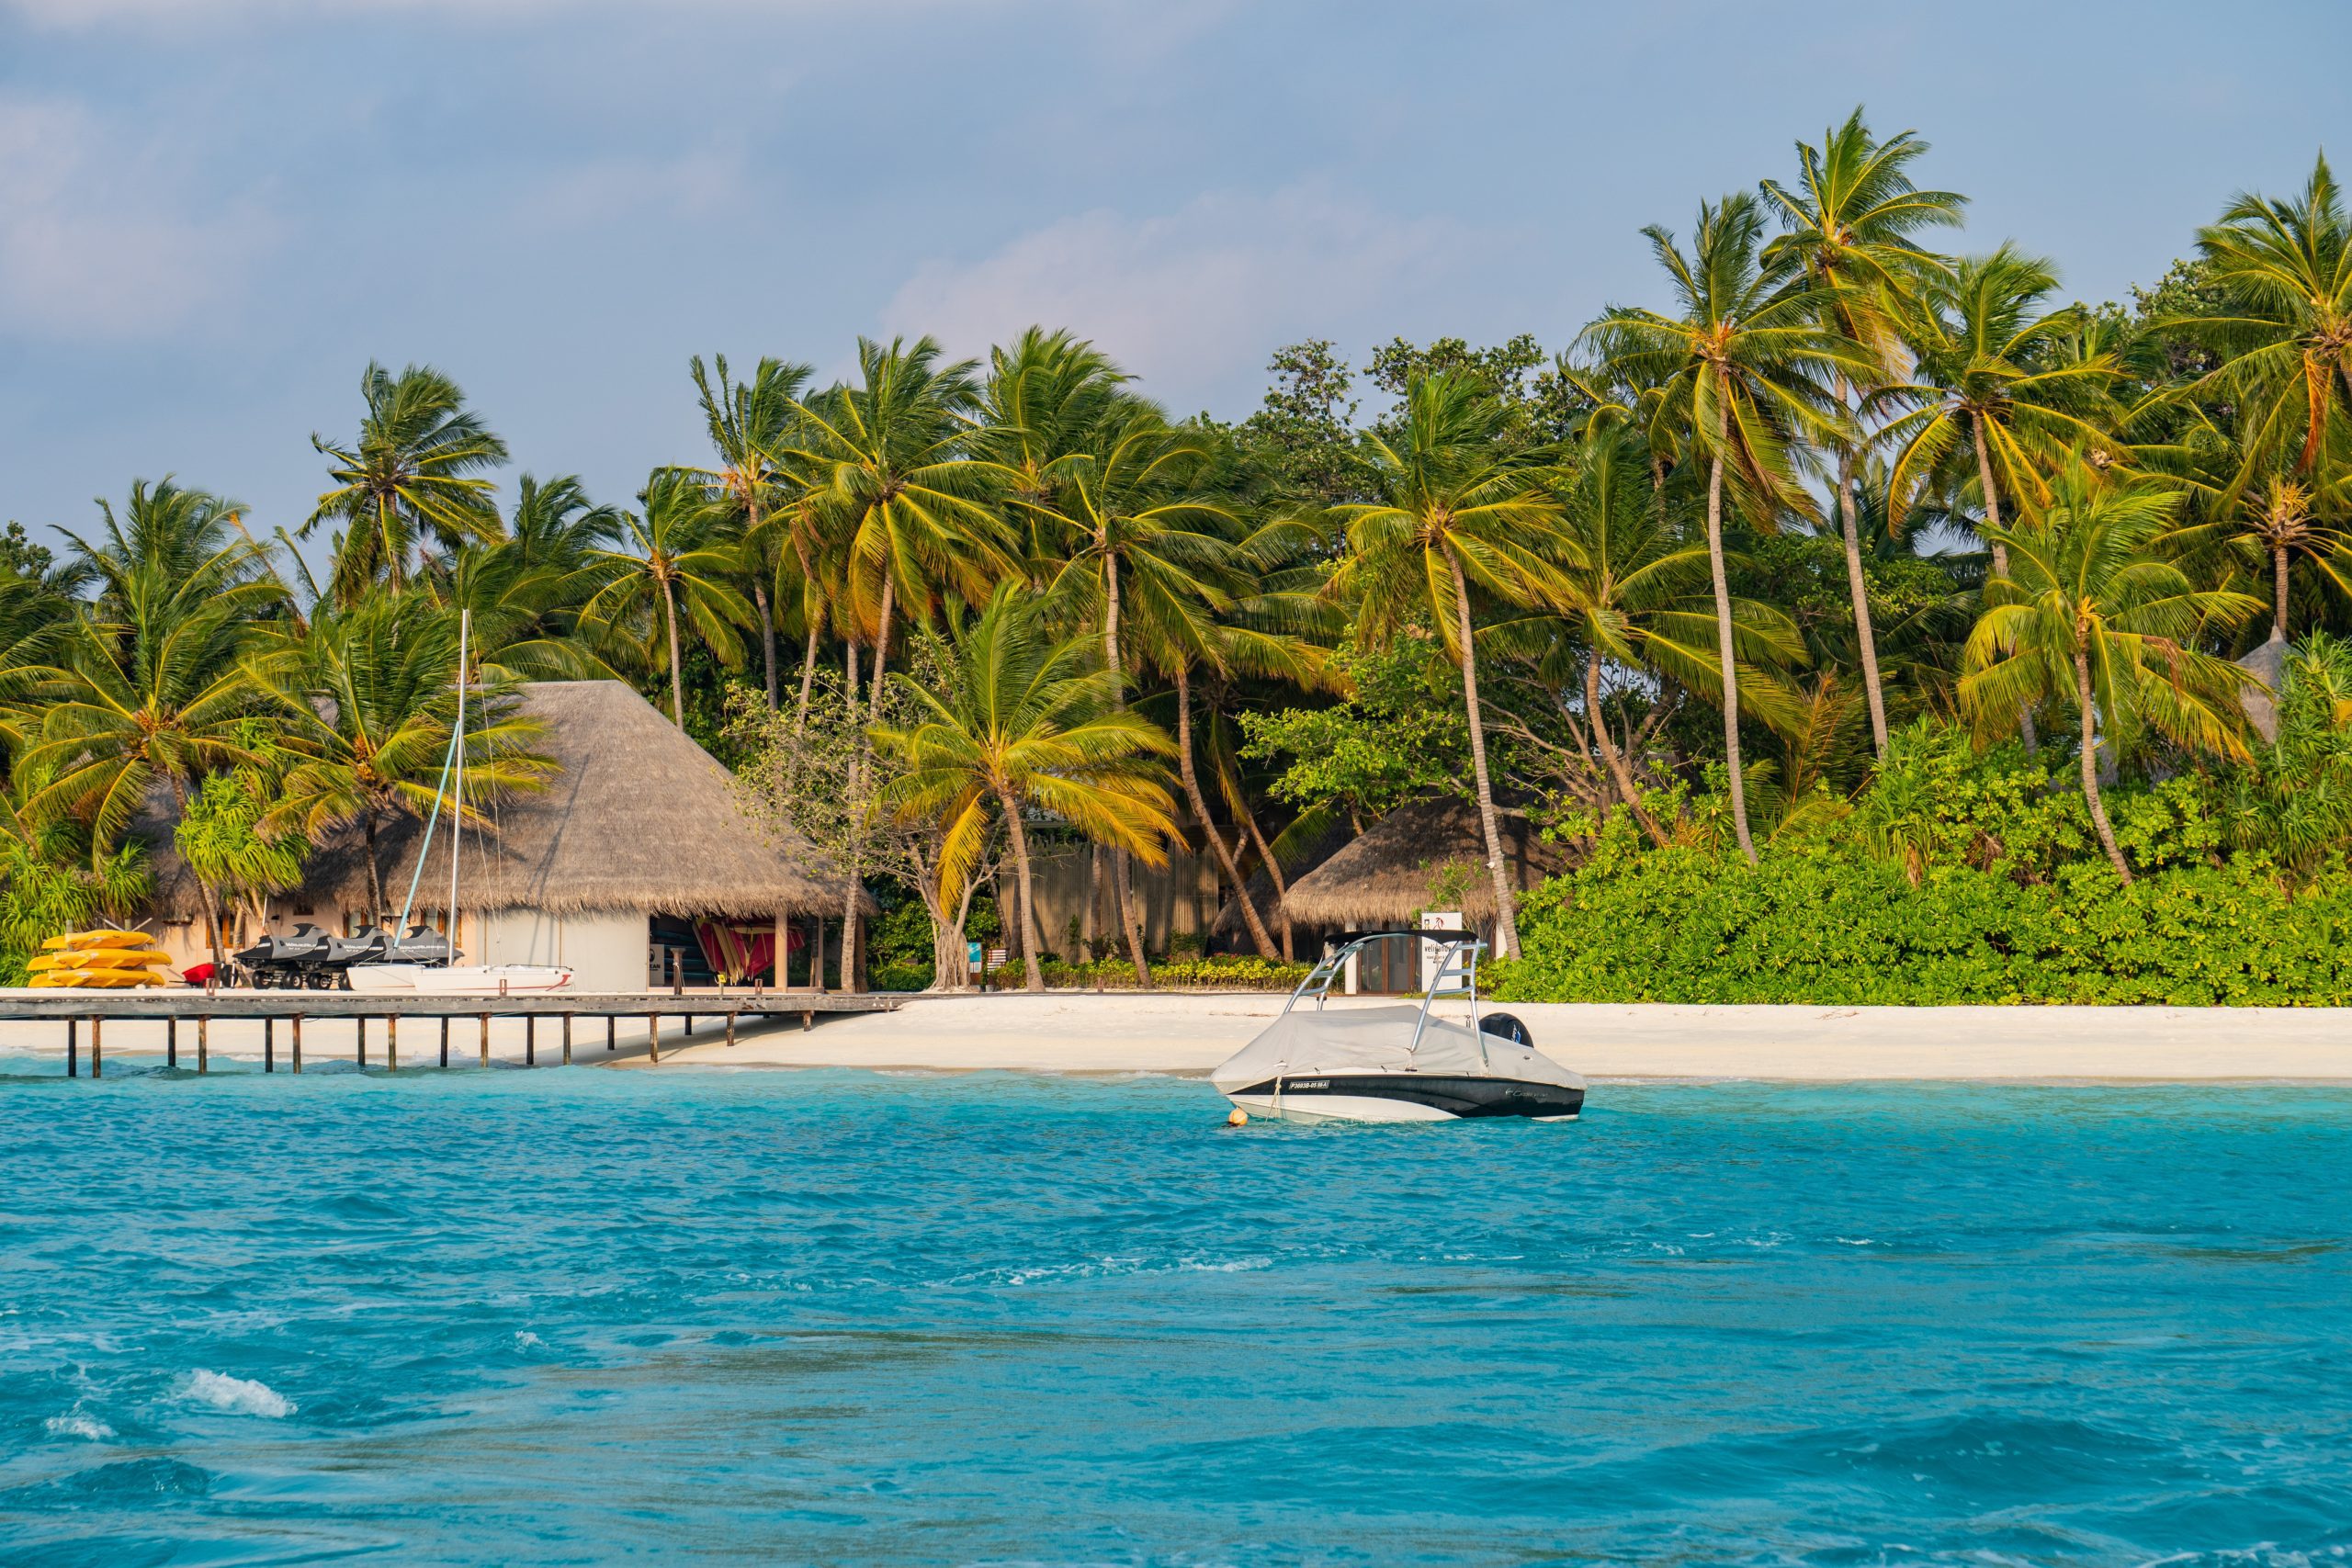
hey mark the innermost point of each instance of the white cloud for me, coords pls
(92, 239)
(1197, 296)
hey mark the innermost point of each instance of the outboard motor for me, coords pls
(1503, 1026)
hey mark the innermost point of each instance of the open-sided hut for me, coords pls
(1429, 858)
(637, 836)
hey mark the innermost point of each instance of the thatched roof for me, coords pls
(1229, 924)
(1428, 855)
(640, 818)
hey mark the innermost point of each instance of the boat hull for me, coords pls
(1407, 1097)
(492, 979)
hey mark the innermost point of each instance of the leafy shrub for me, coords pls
(1236, 972)
(1965, 895)
(901, 976)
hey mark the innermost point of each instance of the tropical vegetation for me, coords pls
(1867, 621)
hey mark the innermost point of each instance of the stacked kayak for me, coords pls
(100, 961)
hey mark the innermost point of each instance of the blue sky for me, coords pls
(214, 212)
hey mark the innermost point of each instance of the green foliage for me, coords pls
(47, 890)
(1225, 973)
(1399, 735)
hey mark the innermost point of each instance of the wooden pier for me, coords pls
(191, 1013)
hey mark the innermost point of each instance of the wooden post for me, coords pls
(690, 1026)
(98, 1048)
(297, 1042)
(445, 1040)
(171, 1042)
(269, 1045)
(677, 976)
(654, 1037)
(485, 1039)
(730, 1029)
(72, 1048)
(611, 1025)
(808, 1022)
(530, 1039)
(567, 1040)
(392, 1043)
(203, 1042)
(360, 1025)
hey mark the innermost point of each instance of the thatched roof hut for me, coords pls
(1429, 855)
(639, 820)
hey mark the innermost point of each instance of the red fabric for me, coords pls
(736, 952)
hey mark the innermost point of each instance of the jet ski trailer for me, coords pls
(1397, 1063)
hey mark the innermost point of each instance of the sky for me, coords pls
(214, 213)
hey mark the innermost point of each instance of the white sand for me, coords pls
(1191, 1033)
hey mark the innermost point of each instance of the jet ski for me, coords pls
(281, 962)
(1399, 1062)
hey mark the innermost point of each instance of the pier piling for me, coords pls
(203, 1042)
(359, 1034)
(654, 1037)
(531, 1040)
(485, 1039)
(445, 1040)
(297, 1042)
(612, 1028)
(98, 1048)
(567, 1040)
(730, 1029)
(269, 1045)
(172, 1043)
(72, 1048)
(392, 1043)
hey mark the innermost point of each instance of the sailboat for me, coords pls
(422, 961)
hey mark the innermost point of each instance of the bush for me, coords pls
(1834, 923)
(901, 976)
(1223, 973)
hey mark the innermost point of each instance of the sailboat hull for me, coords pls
(1407, 1097)
(460, 980)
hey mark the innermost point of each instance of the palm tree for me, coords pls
(2277, 521)
(1140, 538)
(886, 458)
(2286, 270)
(1743, 366)
(1031, 722)
(748, 423)
(1632, 592)
(156, 682)
(1454, 508)
(2089, 608)
(1848, 226)
(414, 473)
(525, 592)
(891, 482)
(1995, 376)
(369, 707)
(1047, 397)
(675, 562)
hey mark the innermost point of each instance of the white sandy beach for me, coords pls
(1191, 1033)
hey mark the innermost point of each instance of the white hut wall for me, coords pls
(605, 949)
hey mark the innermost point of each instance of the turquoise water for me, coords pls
(588, 1316)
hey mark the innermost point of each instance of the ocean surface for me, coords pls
(701, 1316)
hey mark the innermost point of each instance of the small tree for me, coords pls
(801, 779)
(228, 839)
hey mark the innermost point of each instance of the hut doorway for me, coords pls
(1389, 967)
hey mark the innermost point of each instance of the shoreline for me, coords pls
(1188, 1032)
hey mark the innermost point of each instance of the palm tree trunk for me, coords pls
(677, 674)
(1030, 968)
(1615, 758)
(808, 678)
(882, 647)
(1274, 876)
(1864, 638)
(1258, 933)
(768, 638)
(2000, 551)
(1505, 910)
(1723, 632)
(2090, 760)
(1093, 896)
(1122, 882)
(2279, 592)
(375, 877)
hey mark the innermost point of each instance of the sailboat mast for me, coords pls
(458, 800)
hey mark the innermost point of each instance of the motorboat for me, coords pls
(1398, 1061)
